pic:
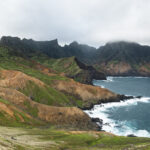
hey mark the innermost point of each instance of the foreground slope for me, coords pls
(53, 139)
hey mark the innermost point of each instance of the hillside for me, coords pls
(34, 94)
(124, 58)
(72, 68)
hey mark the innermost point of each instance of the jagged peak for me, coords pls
(8, 39)
(55, 41)
(74, 43)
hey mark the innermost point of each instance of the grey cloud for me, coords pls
(93, 22)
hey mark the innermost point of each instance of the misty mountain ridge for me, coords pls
(110, 58)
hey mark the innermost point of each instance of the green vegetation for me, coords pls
(27, 67)
(66, 65)
(19, 118)
(147, 67)
(114, 62)
(63, 140)
(31, 110)
(4, 101)
(45, 95)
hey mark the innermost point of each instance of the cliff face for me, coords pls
(88, 73)
(124, 59)
(124, 69)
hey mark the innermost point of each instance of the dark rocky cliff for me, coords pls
(88, 73)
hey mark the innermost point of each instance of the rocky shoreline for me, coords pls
(120, 98)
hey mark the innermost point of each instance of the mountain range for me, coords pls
(114, 58)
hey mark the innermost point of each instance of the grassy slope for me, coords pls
(12, 116)
(45, 95)
(53, 139)
(66, 65)
(48, 93)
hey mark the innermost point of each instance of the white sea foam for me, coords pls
(128, 77)
(97, 84)
(109, 79)
(118, 127)
(102, 86)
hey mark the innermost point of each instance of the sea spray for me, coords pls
(118, 127)
(125, 117)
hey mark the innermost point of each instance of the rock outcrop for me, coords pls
(88, 73)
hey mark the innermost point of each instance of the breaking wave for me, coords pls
(117, 127)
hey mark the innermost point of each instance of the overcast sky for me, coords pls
(92, 22)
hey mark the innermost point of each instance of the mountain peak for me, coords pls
(122, 43)
(9, 40)
(55, 42)
(74, 43)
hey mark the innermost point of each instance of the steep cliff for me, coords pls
(124, 59)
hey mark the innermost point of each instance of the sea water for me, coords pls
(128, 117)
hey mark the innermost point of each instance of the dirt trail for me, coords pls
(13, 138)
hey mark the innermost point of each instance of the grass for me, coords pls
(147, 67)
(114, 62)
(89, 141)
(31, 110)
(4, 101)
(27, 67)
(45, 95)
(66, 65)
(16, 121)
(6, 120)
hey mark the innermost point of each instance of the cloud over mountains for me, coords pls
(94, 22)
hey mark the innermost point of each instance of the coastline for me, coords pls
(111, 125)
(99, 121)
(119, 98)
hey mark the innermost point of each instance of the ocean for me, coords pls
(130, 116)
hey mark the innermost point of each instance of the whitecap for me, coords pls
(109, 79)
(121, 128)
